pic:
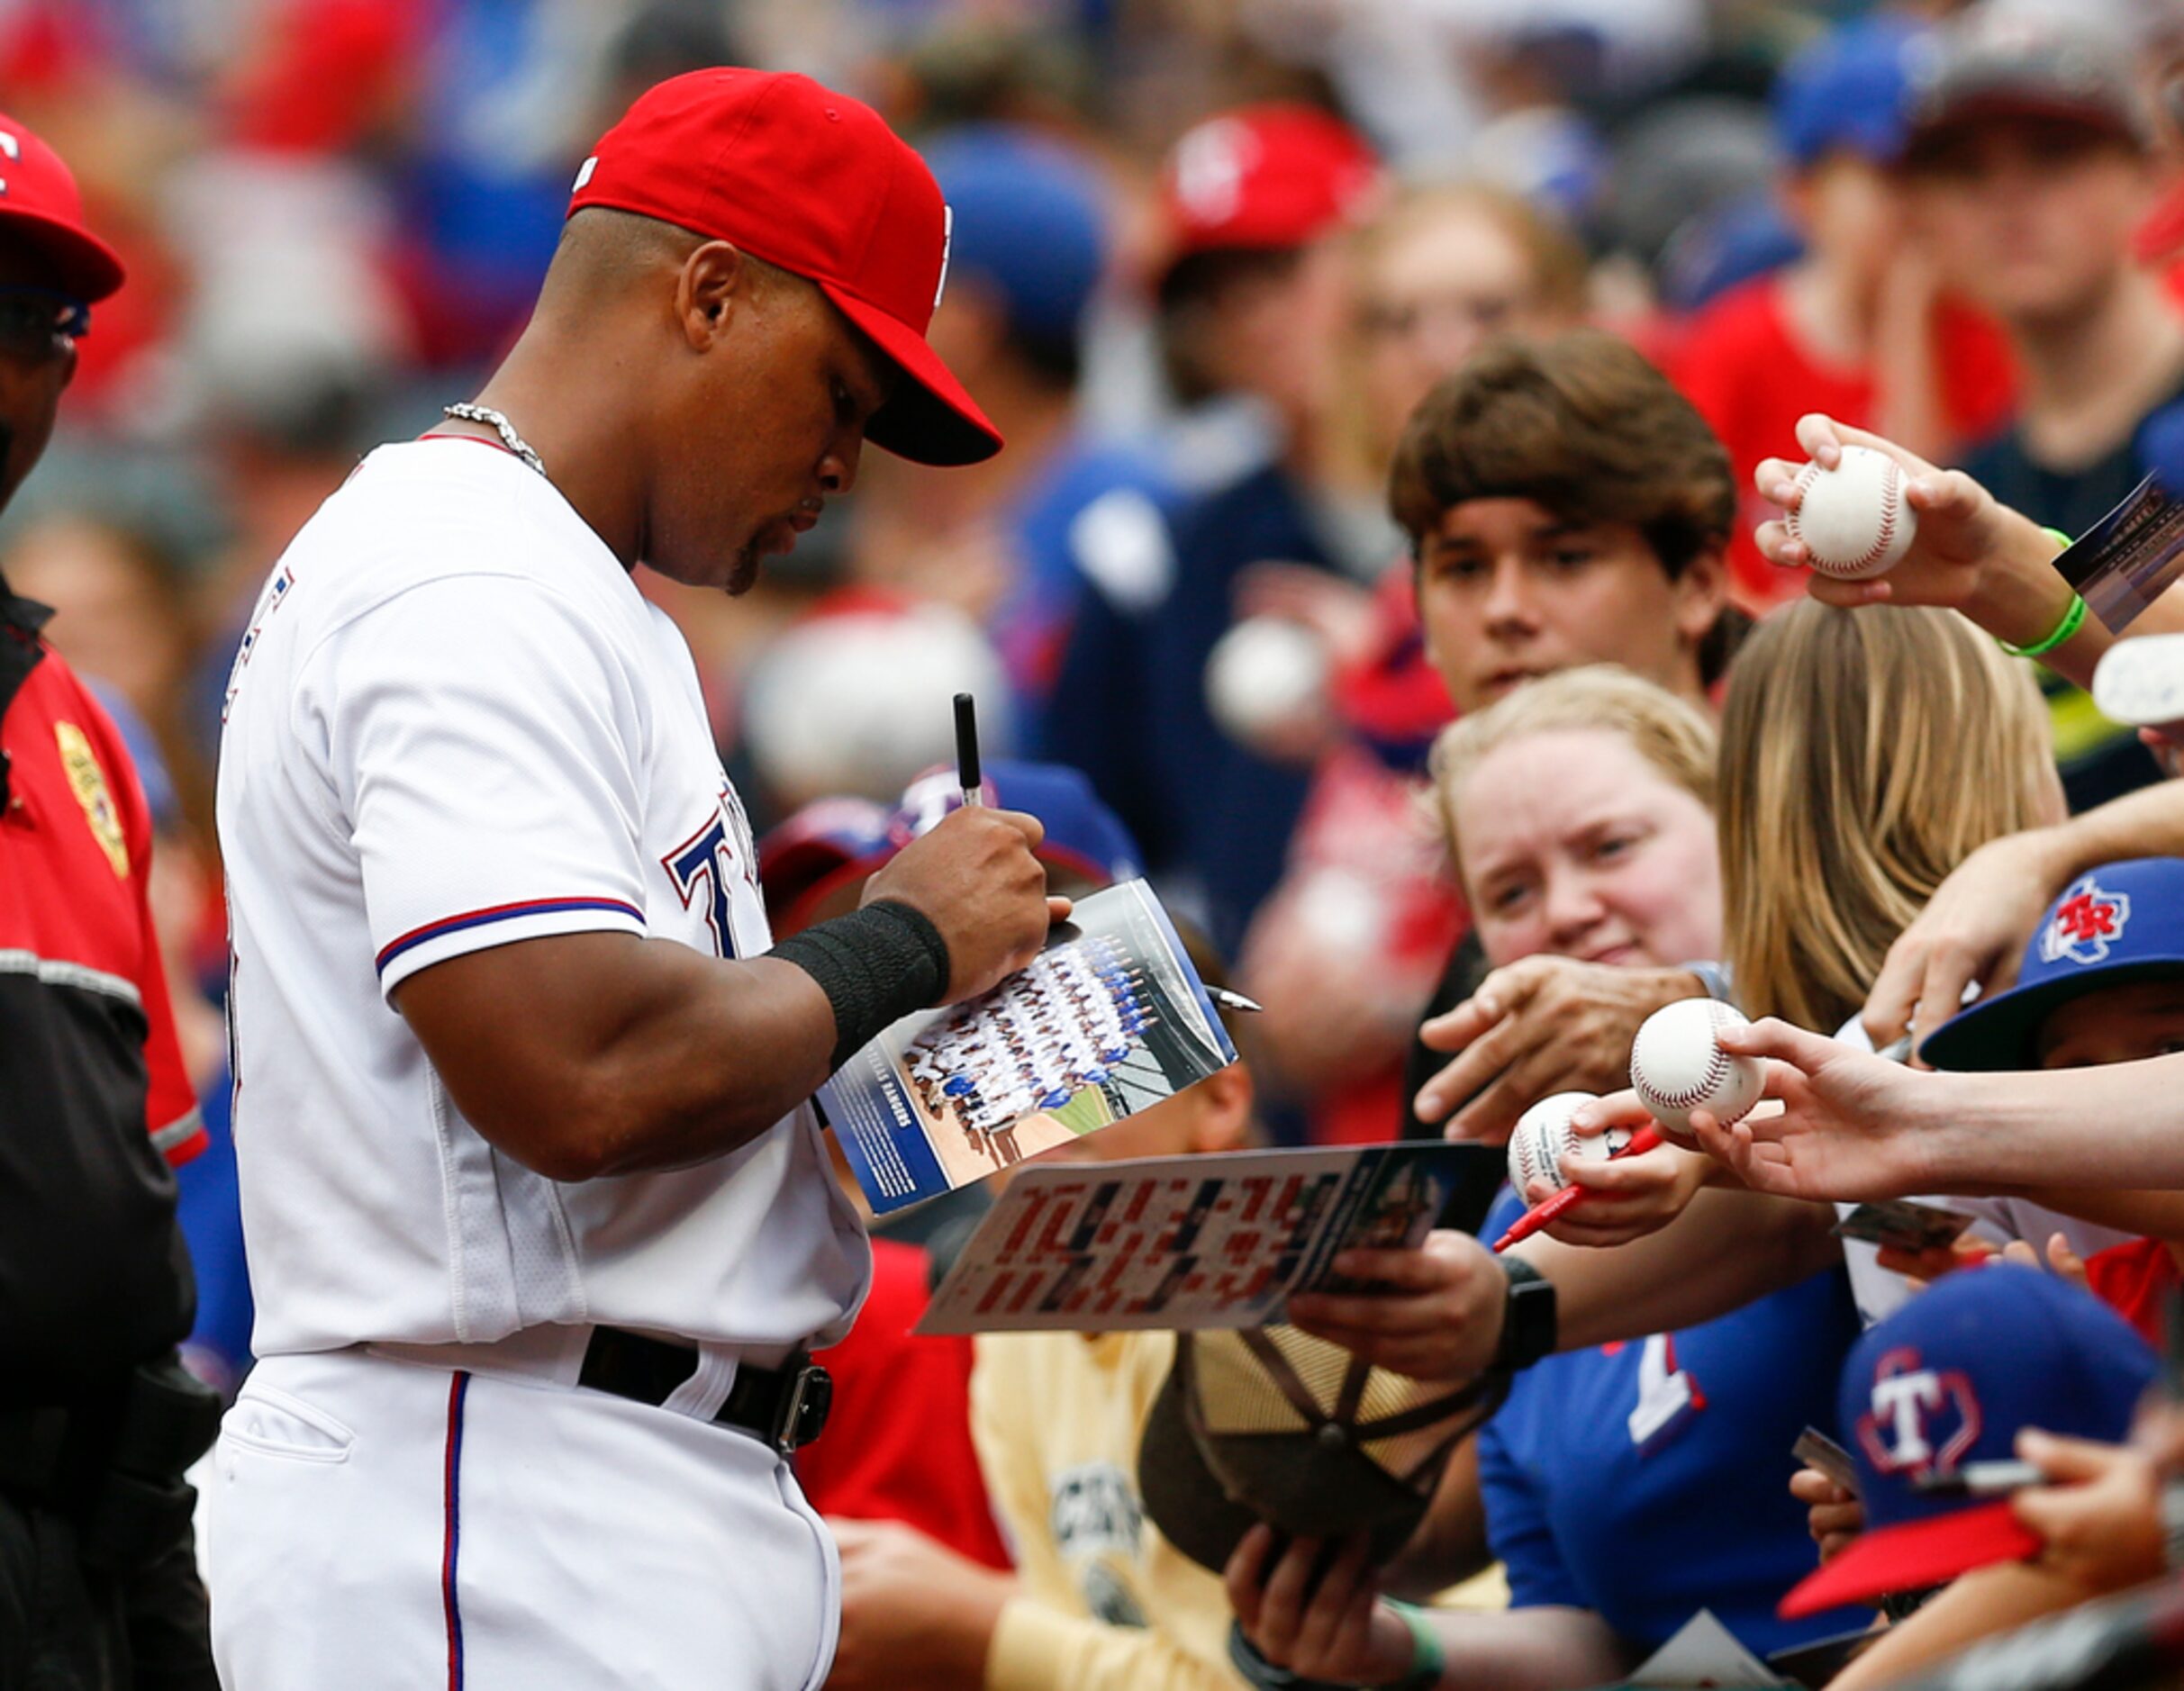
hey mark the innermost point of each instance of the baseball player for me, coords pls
(539, 1220)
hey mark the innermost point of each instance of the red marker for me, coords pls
(1572, 1195)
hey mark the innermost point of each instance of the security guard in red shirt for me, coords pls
(98, 1584)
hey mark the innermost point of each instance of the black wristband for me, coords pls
(875, 965)
(1528, 1321)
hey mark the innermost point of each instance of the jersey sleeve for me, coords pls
(1518, 1529)
(485, 744)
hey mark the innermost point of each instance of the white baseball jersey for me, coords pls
(455, 723)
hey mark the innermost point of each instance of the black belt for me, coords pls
(786, 1407)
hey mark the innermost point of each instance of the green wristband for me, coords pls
(1428, 1660)
(2072, 620)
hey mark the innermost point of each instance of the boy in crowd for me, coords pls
(2031, 163)
(1856, 326)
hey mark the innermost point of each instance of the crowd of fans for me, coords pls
(1401, 398)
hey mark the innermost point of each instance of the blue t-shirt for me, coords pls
(1648, 1480)
(1095, 511)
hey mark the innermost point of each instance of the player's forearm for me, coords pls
(713, 1063)
(1541, 1649)
(1728, 1247)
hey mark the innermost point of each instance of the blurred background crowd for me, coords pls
(1209, 258)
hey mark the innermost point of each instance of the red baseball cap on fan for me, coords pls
(815, 183)
(1264, 177)
(40, 207)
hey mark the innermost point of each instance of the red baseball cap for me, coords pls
(40, 207)
(816, 183)
(1264, 177)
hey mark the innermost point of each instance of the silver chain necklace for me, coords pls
(467, 412)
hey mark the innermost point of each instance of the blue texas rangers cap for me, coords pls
(2123, 922)
(1952, 1377)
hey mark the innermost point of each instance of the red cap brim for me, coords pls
(929, 419)
(85, 266)
(1913, 1556)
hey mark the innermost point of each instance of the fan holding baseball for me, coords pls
(1877, 524)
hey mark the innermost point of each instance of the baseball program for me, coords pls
(1111, 1017)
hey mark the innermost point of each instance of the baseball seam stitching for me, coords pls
(1890, 497)
(1697, 1093)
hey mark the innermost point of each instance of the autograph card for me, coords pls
(1902, 1224)
(1814, 1449)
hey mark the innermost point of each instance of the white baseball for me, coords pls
(1542, 1135)
(1853, 519)
(1263, 674)
(1678, 1066)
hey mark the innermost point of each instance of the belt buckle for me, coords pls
(800, 1410)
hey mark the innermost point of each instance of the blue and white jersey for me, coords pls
(455, 723)
(1650, 1479)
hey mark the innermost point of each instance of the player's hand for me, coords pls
(914, 1611)
(1967, 539)
(1832, 1514)
(1539, 1026)
(1972, 932)
(1335, 1631)
(1631, 1197)
(1439, 1316)
(975, 879)
(2102, 1517)
(1853, 1126)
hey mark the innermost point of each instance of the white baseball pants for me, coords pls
(374, 1523)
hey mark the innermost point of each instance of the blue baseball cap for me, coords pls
(1030, 218)
(1848, 91)
(2122, 922)
(1952, 1378)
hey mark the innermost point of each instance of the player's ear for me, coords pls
(715, 282)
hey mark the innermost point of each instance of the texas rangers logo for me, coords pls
(1921, 1419)
(2084, 924)
(712, 859)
